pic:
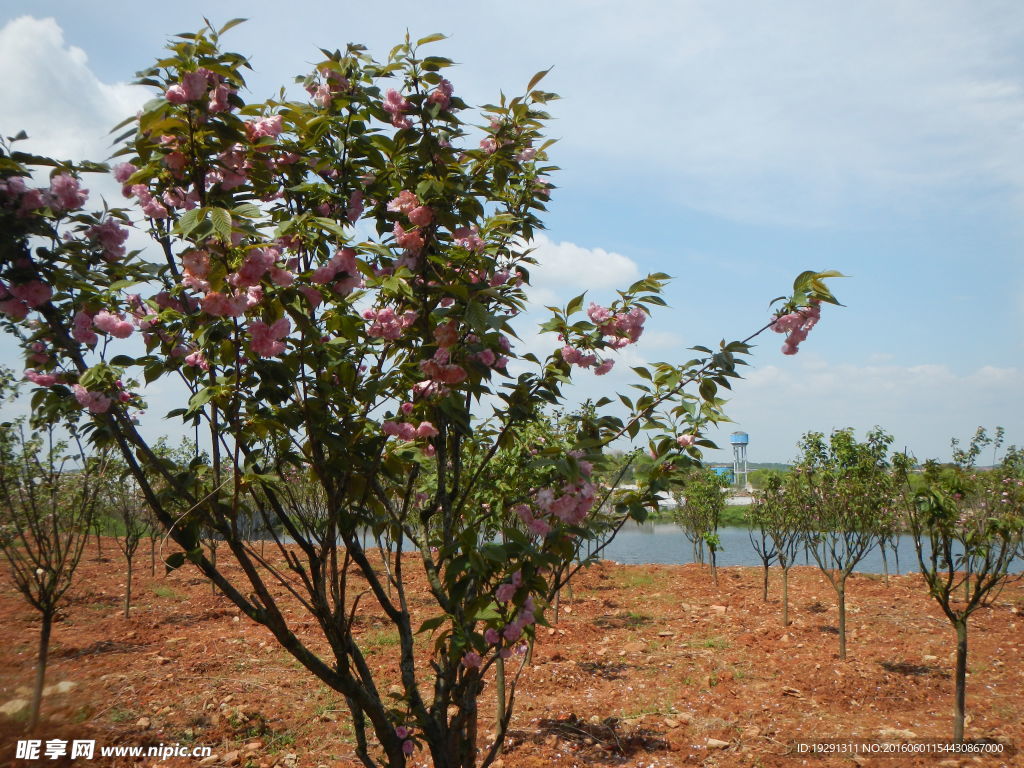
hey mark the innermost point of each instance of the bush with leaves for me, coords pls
(49, 495)
(845, 494)
(780, 515)
(337, 284)
(967, 524)
(700, 499)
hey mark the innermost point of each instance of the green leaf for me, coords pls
(230, 25)
(221, 220)
(431, 39)
(431, 624)
(537, 78)
(174, 561)
(189, 221)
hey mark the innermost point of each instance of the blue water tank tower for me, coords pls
(739, 441)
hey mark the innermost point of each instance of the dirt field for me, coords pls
(646, 666)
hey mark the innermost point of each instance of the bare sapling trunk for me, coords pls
(128, 589)
(785, 595)
(44, 652)
(960, 700)
(764, 582)
(841, 595)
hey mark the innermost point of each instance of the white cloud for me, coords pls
(49, 91)
(794, 111)
(566, 269)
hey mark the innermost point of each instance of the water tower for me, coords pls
(739, 442)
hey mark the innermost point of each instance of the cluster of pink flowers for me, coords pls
(257, 263)
(267, 340)
(575, 356)
(113, 325)
(387, 324)
(333, 84)
(441, 369)
(396, 106)
(572, 505)
(797, 325)
(65, 194)
(195, 86)
(39, 378)
(81, 328)
(111, 236)
(17, 299)
(442, 94)
(150, 205)
(342, 262)
(264, 128)
(524, 618)
(94, 402)
(469, 238)
(621, 329)
(405, 431)
(217, 304)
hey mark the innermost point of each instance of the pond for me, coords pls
(665, 543)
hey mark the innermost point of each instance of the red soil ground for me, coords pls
(647, 666)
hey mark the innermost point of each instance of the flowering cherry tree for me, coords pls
(335, 280)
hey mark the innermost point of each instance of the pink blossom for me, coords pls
(264, 127)
(452, 374)
(505, 593)
(112, 236)
(487, 357)
(68, 191)
(16, 309)
(40, 379)
(426, 430)
(472, 660)
(221, 305)
(469, 238)
(411, 241)
(266, 339)
(447, 334)
(489, 145)
(94, 402)
(421, 216)
(539, 527)
(396, 106)
(408, 747)
(685, 441)
(442, 94)
(33, 293)
(606, 365)
(527, 155)
(219, 98)
(402, 732)
(115, 325)
(405, 202)
(313, 296)
(176, 95)
(197, 360)
(81, 329)
(598, 315)
(491, 636)
(355, 206)
(387, 324)
(254, 266)
(123, 172)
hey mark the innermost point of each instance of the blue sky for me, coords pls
(729, 144)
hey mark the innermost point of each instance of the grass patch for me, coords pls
(118, 715)
(711, 641)
(379, 639)
(635, 579)
(167, 593)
